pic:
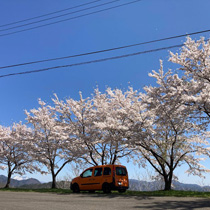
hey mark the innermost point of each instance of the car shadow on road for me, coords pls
(108, 195)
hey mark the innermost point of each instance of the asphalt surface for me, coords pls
(49, 201)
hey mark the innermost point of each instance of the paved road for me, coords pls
(47, 201)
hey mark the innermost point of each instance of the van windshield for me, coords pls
(120, 171)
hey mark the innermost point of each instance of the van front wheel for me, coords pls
(106, 188)
(75, 188)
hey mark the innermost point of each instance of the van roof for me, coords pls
(109, 165)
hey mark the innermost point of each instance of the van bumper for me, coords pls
(114, 187)
(120, 188)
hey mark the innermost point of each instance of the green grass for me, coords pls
(115, 193)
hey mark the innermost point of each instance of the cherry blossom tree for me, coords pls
(113, 111)
(78, 121)
(194, 61)
(15, 153)
(52, 146)
(100, 124)
(170, 138)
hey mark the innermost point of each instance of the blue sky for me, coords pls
(143, 21)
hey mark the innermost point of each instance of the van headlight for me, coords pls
(119, 183)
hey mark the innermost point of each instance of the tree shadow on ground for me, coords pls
(181, 205)
(153, 203)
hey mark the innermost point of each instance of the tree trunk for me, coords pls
(168, 181)
(8, 179)
(53, 177)
(114, 159)
(54, 181)
(167, 185)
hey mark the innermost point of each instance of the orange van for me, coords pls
(104, 177)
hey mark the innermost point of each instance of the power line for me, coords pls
(70, 8)
(79, 16)
(58, 16)
(92, 61)
(104, 50)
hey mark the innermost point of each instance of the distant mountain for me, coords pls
(137, 185)
(60, 184)
(18, 183)
(190, 187)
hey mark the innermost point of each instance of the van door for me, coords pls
(107, 175)
(85, 180)
(97, 179)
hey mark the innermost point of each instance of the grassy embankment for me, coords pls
(128, 193)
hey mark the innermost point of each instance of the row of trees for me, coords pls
(165, 125)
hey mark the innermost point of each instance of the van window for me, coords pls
(87, 173)
(121, 171)
(98, 172)
(107, 171)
